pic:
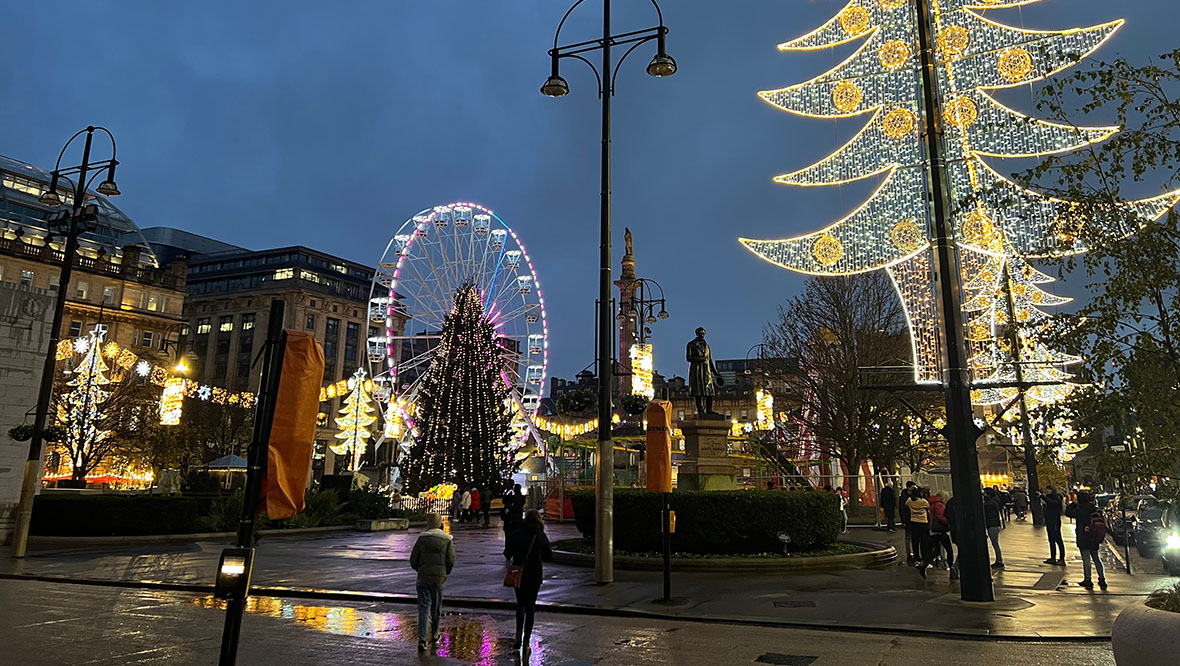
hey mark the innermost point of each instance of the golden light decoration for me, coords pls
(978, 229)
(764, 416)
(846, 96)
(1014, 64)
(952, 41)
(172, 401)
(827, 249)
(889, 5)
(641, 371)
(893, 54)
(906, 235)
(899, 123)
(960, 112)
(855, 20)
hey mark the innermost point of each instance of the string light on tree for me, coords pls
(641, 371)
(881, 81)
(463, 413)
(80, 410)
(356, 416)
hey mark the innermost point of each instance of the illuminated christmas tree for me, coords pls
(995, 234)
(357, 414)
(79, 412)
(463, 412)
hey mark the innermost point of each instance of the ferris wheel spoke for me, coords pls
(428, 284)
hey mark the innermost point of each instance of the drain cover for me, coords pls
(785, 659)
(794, 603)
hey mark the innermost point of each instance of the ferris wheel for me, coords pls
(431, 256)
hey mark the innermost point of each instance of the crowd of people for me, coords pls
(526, 547)
(929, 519)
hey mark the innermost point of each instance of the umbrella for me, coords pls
(226, 463)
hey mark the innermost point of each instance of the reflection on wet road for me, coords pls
(468, 637)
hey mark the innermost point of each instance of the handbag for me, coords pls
(516, 571)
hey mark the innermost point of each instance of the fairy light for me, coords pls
(764, 416)
(880, 80)
(172, 401)
(641, 371)
(356, 415)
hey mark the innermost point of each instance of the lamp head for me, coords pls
(107, 187)
(663, 314)
(49, 197)
(661, 65)
(650, 319)
(555, 86)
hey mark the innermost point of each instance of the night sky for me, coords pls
(270, 123)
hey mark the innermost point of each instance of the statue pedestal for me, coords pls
(706, 463)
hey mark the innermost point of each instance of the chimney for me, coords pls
(130, 263)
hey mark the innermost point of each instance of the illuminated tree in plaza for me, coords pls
(995, 234)
(356, 417)
(463, 413)
(80, 411)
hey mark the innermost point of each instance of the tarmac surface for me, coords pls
(74, 625)
(1035, 601)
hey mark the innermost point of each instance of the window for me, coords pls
(203, 327)
(153, 303)
(226, 324)
(284, 274)
(26, 278)
(311, 303)
(680, 415)
(147, 339)
(247, 321)
(354, 312)
(309, 276)
(108, 295)
(75, 329)
(82, 290)
(1, 272)
(340, 269)
(333, 308)
(310, 322)
(351, 342)
(744, 412)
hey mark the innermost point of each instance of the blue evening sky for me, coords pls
(269, 123)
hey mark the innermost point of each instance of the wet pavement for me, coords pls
(66, 625)
(1035, 600)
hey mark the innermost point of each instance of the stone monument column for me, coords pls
(706, 463)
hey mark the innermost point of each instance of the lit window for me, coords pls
(153, 303)
(226, 324)
(247, 322)
(340, 269)
(309, 276)
(147, 339)
(203, 327)
(26, 278)
(108, 295)
(284, 274)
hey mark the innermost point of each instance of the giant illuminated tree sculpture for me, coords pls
(356, 418)
(80, 411)
(996, 234)
(463, 413)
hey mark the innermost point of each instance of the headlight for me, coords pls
(1173, 541)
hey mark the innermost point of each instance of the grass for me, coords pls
(1166, 599)
(581, 546)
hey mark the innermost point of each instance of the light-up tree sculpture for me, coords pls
(80, 411)
(463, 414)
(356, 418)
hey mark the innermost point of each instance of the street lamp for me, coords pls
(642, 305)
(75, 221)
(556, 86)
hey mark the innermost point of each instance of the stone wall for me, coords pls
(25, 318)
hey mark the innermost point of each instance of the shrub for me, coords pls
(321, 509)
(368, 503)
(224, 513)
(1166, 599)
(718, 522)
(112, 515)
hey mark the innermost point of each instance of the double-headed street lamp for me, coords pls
(75, 220)
(641, 306)
(555, 86)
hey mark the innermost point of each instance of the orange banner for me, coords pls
(292, 435)
(659, 446)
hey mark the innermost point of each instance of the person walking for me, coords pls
(843, 495)
(904, 513)
(1005, 506)
(993, 509)
(528, 547)
(433, 557)
(919, 509)
(465, 505)
(456, 505)
(888, 503)
(485, 504)
(1053, 504)
(940, 529)
(1091, 532)
(475, 501)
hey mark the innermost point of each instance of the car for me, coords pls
(1169, 540)
(1123, 531)
(1149, 529)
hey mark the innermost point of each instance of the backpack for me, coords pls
(1097, 527)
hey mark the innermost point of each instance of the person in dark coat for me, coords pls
(993, 510)
(1053, 504)
(512, 509)
(888, 503)
(904, 513)
(528, 547)
(1085, 514)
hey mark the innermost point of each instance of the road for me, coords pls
(66, 625)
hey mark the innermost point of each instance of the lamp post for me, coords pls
(642, 309)
(555, 86)
(75, 220)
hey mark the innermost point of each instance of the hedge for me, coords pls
(112, 515)
(718, 522)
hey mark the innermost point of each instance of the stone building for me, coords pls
(25, 314)
(117, 279)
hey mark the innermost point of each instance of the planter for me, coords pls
(1143, 635)
(383, 524)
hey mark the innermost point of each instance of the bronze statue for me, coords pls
(703, 378)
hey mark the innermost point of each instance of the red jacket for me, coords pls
(938, 523)
(474, 500)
